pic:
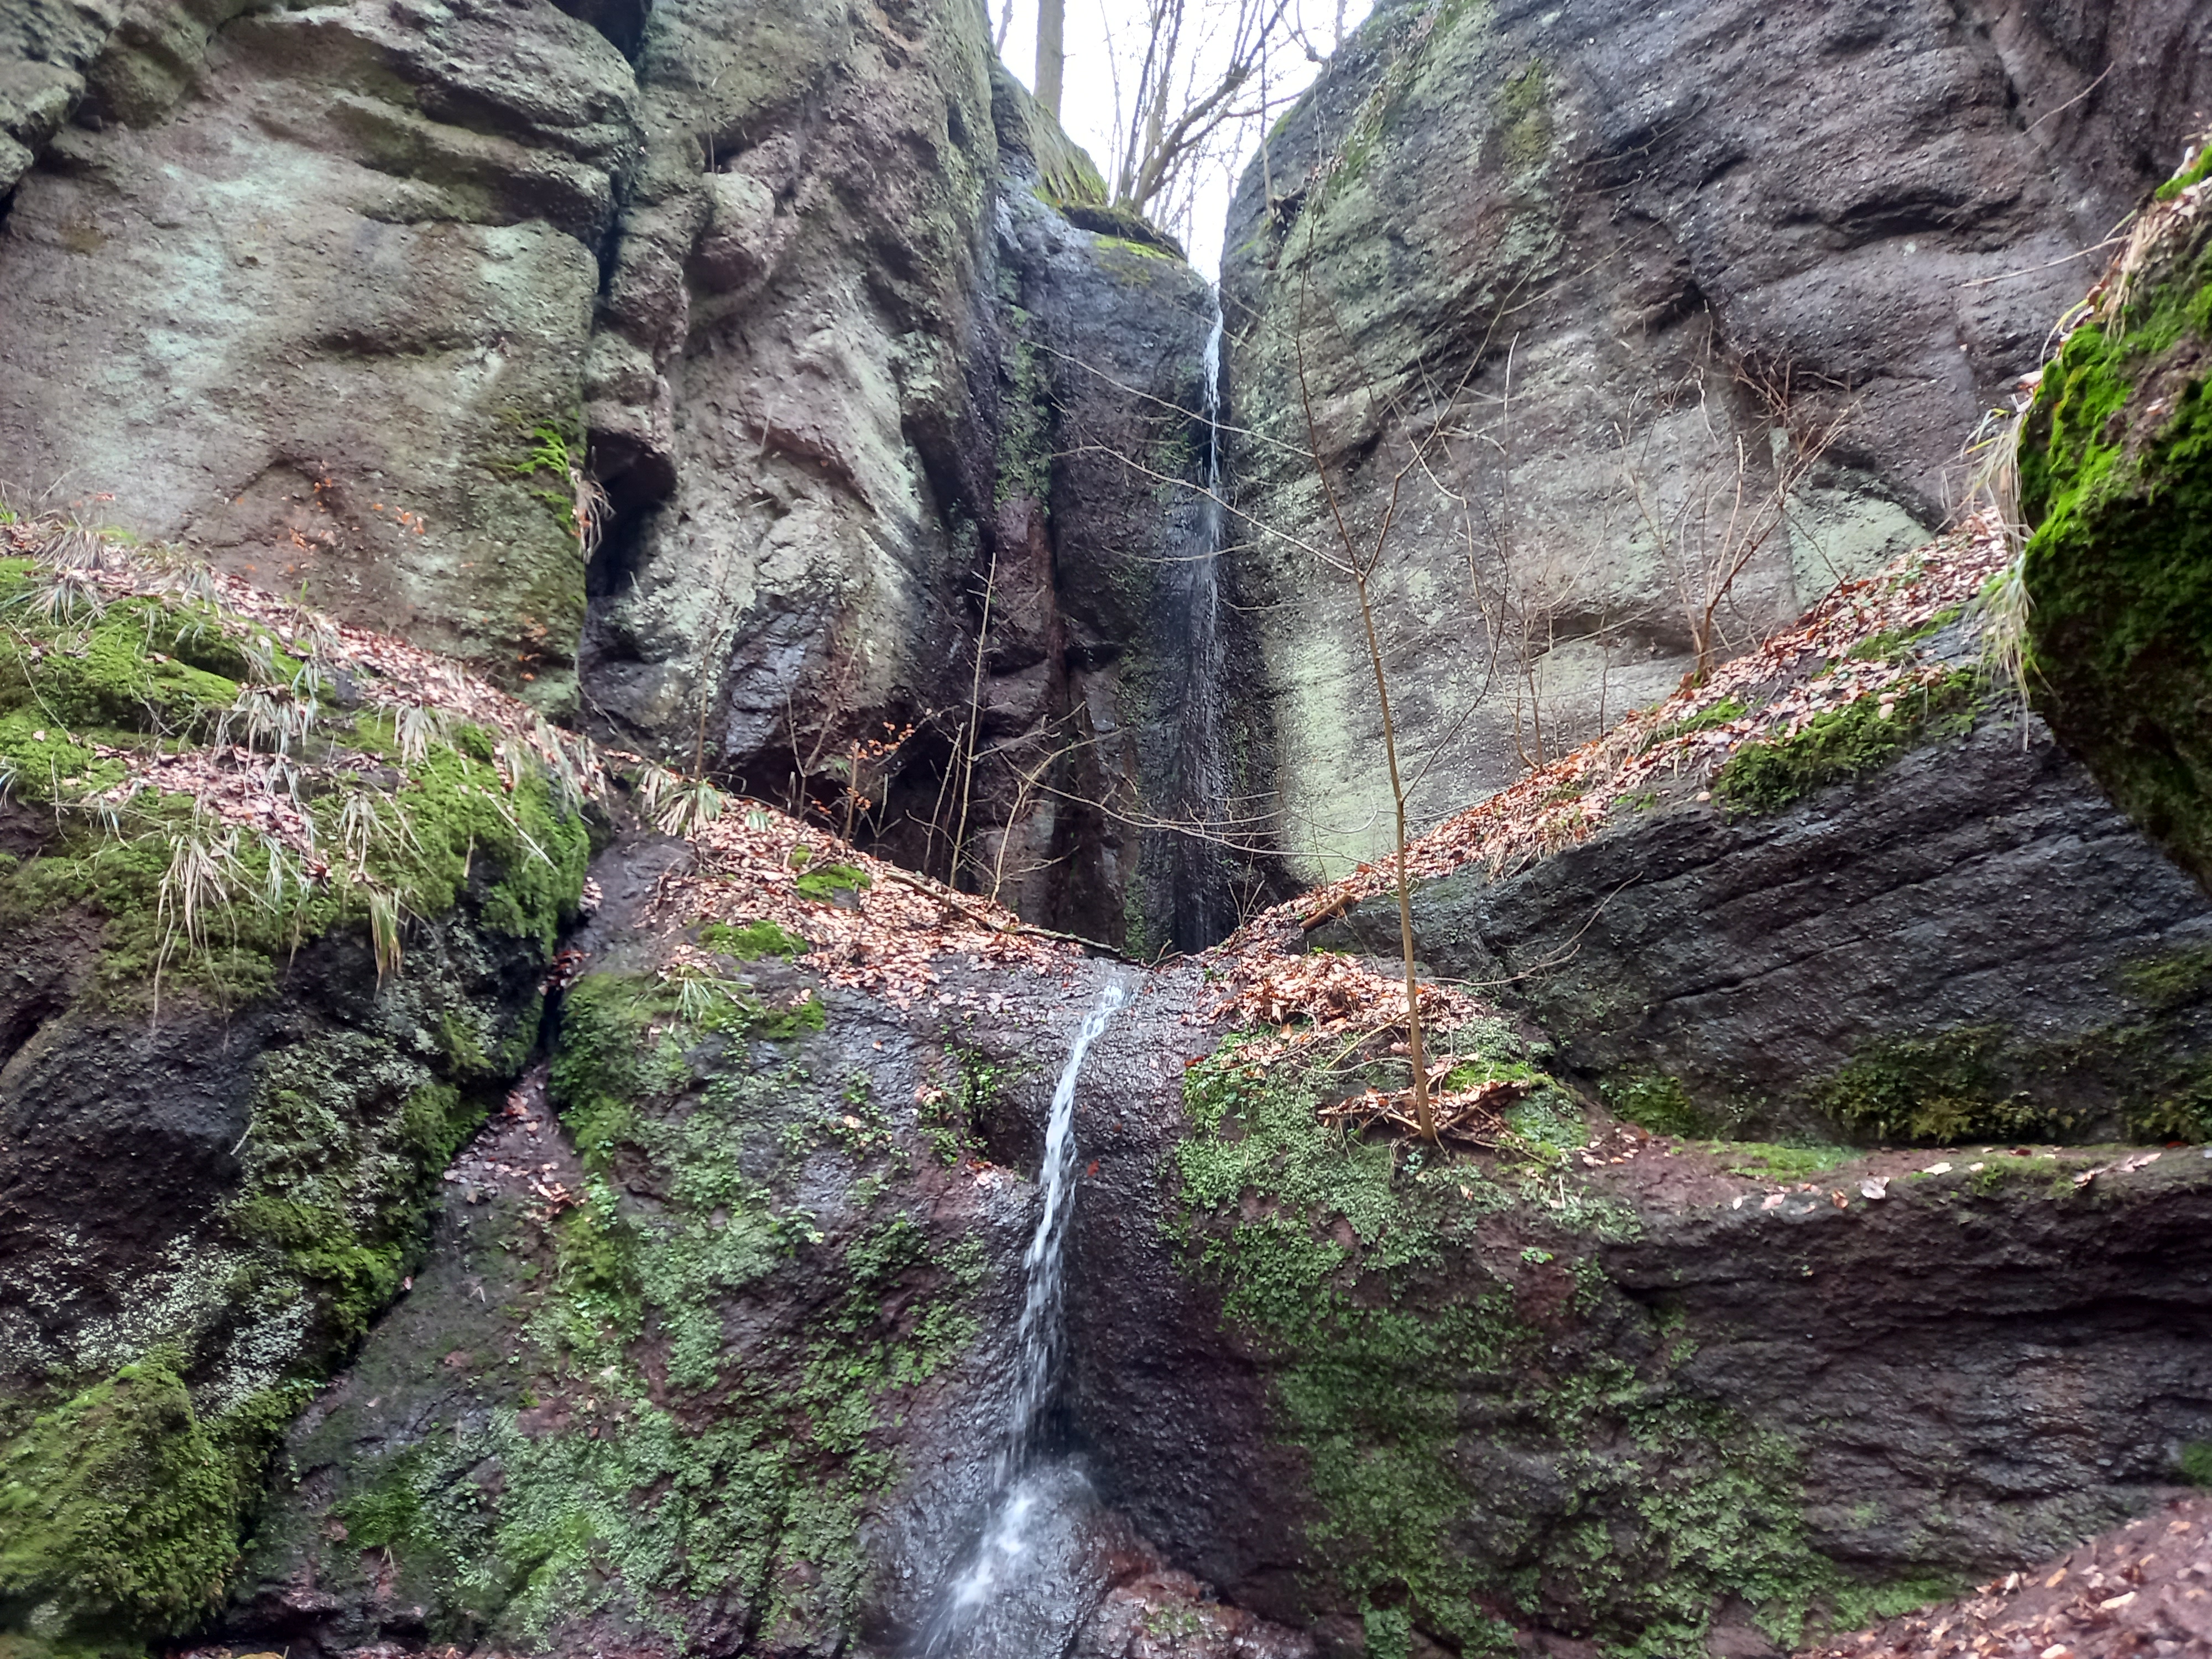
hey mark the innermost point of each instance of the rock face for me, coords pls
(1977, 921)
(314, 289)
(390, 1260)
(1654, 1396)
(1639, 328)
(772, 307)
(225, 1097)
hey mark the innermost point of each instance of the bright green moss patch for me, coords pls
(1361, 1270)
(1851, 742)
(2194, 172)
(1726, 709)
(118, 1507)
(2116, 479)
(1658, 1104)
(1760, 1160)
(751, 942)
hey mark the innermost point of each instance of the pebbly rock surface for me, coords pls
(1583, 293)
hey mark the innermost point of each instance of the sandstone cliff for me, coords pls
(1621, 317)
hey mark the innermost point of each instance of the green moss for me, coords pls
(1846, 743)
(2169, 979)
(342, 1155)
(1938, 1090)
(142, 673)
(2196, 1463)
(1726, 709)
(1760, 1160)
(751, 942)
(1896, 643)
(553, 456)
(2193, 172)
(712, 1444)
(1658, 1104)
(1526, 115)
(825, 882)
(118, 1507)
(1857, 1606)
(1361, 1271)
(2116, 479)
(1025, 435)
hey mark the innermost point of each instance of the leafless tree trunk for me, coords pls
(1051, 52)
(1360, 563)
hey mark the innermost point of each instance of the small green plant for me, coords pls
(678, 806)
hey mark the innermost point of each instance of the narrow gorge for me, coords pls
(705, 949)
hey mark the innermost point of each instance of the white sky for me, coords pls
(1102, 35)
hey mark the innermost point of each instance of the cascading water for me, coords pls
(1201, 899)
(1021, 1488)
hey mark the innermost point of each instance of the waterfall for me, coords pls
(1039, 1344)
(1202, 914)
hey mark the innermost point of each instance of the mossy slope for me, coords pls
(251, 1014)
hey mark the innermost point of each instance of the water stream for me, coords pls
(1027, 1492)
(1202, 908)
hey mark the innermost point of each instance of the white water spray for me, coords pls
(1038, 1345)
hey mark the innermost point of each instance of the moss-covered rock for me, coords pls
(689, 1388)
(2116, 480)
(1388, 1287)
(271, 957)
